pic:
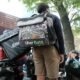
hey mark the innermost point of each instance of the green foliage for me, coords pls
(76, 31)
(75, 21)
(75, 3)
(31, 4)
(28, 3)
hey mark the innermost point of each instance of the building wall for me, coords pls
(7, 21)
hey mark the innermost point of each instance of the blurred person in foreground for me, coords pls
(72, 65)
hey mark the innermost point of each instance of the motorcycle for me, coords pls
(12, 57)
(13, 69)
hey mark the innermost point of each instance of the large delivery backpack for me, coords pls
(36, 31)
(9, 42)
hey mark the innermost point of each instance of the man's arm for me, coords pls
(58, 30)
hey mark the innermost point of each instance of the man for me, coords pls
(47, 58)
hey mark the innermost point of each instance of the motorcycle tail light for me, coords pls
(2, 54)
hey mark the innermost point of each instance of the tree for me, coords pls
(60, 5)
(68, 36)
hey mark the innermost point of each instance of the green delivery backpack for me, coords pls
(36, 31)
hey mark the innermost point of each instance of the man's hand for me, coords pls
(61, 58)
